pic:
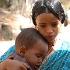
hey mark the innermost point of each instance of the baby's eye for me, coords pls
(38, 55)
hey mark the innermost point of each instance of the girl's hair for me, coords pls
(43, 6)
(28, 37)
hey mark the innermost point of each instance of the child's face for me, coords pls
(47, 25)
(36, 54)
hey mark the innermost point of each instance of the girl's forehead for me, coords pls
(46, 17)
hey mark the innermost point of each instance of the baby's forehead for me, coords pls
(42, 41)
(43, 51)
(41, 45)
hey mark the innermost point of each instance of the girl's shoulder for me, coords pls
(59, 60)
(65, 45)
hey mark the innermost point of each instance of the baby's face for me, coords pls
(36, 54)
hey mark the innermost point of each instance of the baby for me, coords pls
(31, 49)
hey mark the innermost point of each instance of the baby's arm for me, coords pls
(13, 65)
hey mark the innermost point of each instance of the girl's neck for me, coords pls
(50, 49)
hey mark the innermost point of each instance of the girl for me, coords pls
(47, 16)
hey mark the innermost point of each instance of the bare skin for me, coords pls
(48, 25)
(13, 65)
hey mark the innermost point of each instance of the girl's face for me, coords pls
(47, 25)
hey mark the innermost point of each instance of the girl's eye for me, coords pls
(54, 25)
(42, 26)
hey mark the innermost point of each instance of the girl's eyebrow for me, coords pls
(54, 21)
(42, 23)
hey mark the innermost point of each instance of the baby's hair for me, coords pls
(28, 37)
(43, 6)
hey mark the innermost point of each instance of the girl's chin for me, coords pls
(51, 42)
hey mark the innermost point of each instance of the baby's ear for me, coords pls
(22, 50)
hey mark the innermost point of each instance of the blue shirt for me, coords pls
(59, 60)
(7, 54)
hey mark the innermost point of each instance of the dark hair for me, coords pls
(43, 6)
(28, 37)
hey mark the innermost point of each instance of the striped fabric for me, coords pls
(7, 54)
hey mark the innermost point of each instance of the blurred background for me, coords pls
(16, 15)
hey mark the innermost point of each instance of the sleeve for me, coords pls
(7, 54)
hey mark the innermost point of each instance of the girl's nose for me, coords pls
(49, 30)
